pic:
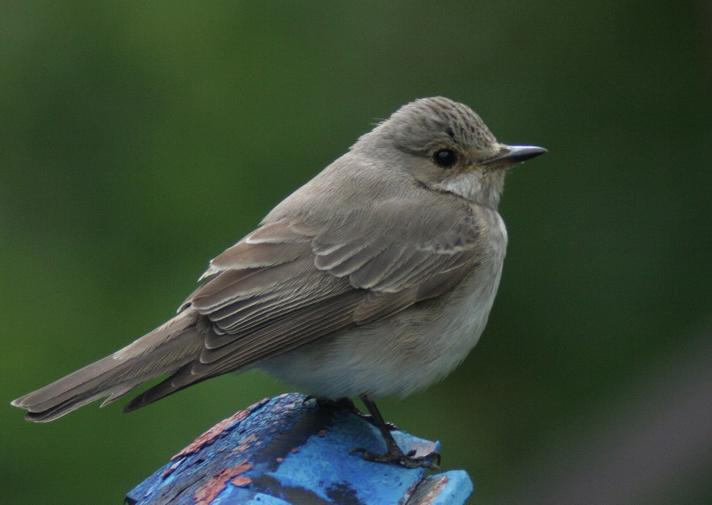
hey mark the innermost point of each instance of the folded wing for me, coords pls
(295, 280)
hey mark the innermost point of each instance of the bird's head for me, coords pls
(446, 146)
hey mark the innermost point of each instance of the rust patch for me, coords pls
(207, 493)
(216, 431)
(241, 481)
(245, 443)
(209, 436)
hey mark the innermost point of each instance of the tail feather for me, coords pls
(119, 392)
(161, 390)
(62, 408)
(179, 380)
(163, 350)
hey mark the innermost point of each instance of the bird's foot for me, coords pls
(398, 457)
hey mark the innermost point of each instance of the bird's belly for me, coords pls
(400, 355)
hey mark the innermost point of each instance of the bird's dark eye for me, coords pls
(445, 158)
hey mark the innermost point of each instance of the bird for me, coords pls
(375, 278)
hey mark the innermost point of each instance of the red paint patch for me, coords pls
(212, 489)
(216, 431)
(241, 481)
(245, 443)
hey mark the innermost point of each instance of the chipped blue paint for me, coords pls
(325, 463)
(232, 495)
(290, 451)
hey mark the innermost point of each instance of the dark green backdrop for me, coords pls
(138, 139)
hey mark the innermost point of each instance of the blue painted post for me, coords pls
(289, 450)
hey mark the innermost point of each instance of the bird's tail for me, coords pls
(160, 351)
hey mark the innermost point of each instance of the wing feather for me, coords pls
(293, 281)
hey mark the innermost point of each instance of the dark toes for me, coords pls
(430, 461)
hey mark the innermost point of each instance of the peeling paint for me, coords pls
(208, 492)
(171, 469)
(297, 453)
(216, 431)
(411, 490)
(246, 443)
(241, 481)
(428, 491)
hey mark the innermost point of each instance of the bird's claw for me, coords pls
(406, 460)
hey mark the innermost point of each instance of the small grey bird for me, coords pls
(375, 278)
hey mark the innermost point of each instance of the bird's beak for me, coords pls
(515, 154)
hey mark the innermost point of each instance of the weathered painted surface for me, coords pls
(290, 451)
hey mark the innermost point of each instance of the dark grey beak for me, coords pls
(515, 154)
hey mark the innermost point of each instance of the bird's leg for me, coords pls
(393, 453)
(371, 419)
(348, 405)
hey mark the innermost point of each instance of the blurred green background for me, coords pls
(139, 139)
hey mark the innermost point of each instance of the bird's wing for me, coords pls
(295, 280)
